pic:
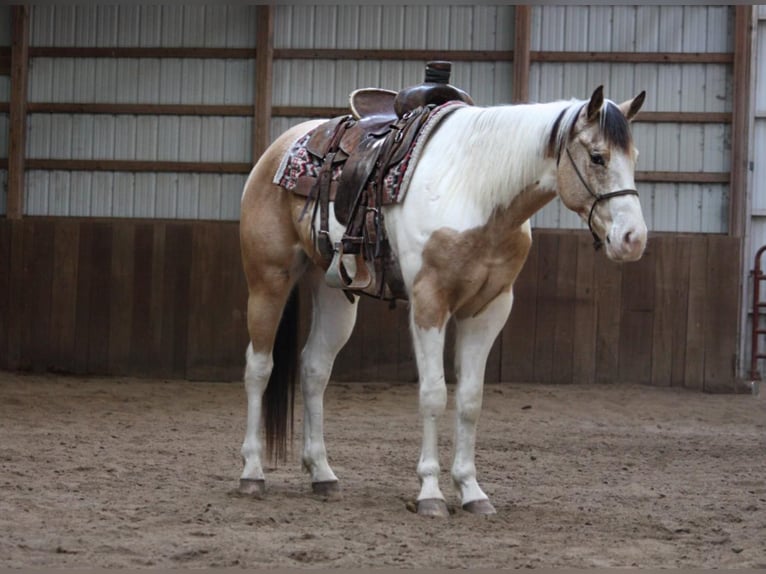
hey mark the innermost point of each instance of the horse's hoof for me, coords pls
(433, 507)
(329, 489)
(483, 507)
(255, 487)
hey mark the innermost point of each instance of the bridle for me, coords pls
(597, 243)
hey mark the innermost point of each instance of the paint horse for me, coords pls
(460, 237)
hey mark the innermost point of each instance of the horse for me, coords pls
(460, 237)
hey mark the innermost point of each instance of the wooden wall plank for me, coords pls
(64, 300)
(608, 278)
(545, 330)
(386, 356)
(67, 304)
(202, 301)
(159, 357)
(232, 337)
(722, 312)
(5, 290)
(123, 296)
(680, 309)
(82, 314)
(584, 346)
(141, 336)
(16, 290)
(565, 306)
(637, 321)
(663, 332)
(99, 317)
(518, 335)
(36, 296)
(176, 293)
(694, 366)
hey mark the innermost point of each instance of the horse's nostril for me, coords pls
(627, 238)
(607, 238)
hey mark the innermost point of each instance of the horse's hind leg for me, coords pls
(264, 311)
(333, 318)
(474, 338)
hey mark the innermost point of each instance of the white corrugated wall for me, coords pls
(669, 87)
(670, 147)
(329, 82)
(296, 82)
(131, 137)
(757, 184)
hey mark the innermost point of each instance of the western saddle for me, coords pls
(365, 145)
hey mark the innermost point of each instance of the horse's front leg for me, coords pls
(474, 338)
(428, 341)
(333, 319)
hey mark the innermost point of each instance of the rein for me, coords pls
(597, 243)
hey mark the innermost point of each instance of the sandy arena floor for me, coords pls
(140, 473)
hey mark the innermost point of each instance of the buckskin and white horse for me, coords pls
(460, 237)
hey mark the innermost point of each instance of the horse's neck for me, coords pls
(498, 156)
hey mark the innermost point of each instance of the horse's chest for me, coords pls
(462, 272)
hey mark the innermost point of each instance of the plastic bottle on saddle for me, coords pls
(436, 90)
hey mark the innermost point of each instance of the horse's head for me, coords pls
(595, 174)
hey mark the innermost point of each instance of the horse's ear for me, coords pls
(596, 101)
(631, 107)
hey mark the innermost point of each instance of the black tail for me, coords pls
(279, 397)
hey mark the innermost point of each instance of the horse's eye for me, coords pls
(597, 158)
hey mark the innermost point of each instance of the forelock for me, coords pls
(615, 127)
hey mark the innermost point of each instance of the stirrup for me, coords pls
(337, 276)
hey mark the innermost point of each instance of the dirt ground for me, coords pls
(140, 473)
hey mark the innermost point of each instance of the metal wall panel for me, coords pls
(142, 195)
(166, 81)
(214, 26)
(632, 28)
(141, 81)
(393, 27)
(329, 82)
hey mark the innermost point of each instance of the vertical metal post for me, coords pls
(743, 26)
(521, 53)
(264, 59)
(18, 110)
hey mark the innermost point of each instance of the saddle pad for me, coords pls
(298, 167)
